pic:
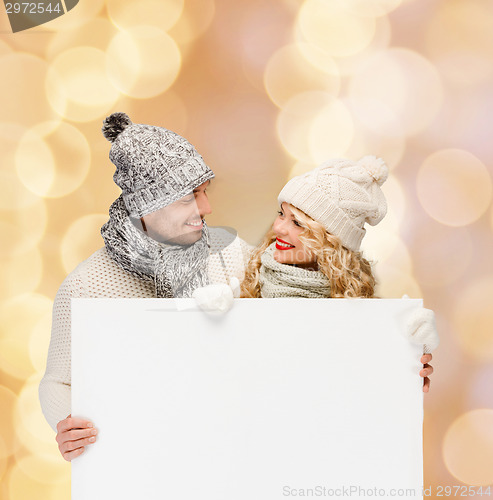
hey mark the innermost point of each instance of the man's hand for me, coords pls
(427, 370)
(73, 435)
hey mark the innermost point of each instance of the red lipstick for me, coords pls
(279, 247)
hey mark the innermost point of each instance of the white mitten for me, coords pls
(216, 299)
(421, 329)
(234, 283)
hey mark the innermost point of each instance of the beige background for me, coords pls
(264, 90)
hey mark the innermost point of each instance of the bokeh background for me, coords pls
(265, 89)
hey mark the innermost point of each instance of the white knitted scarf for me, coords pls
(285, 280)
(176, 270)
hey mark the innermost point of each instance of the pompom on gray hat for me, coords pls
(342, 195)
(154, 166)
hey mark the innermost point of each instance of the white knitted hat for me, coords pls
(342, 195)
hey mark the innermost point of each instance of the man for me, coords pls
(157, 244)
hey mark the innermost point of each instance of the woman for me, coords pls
(313, 248)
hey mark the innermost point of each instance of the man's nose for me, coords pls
(203, 205)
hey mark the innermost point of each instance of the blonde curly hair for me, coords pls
(349, 274)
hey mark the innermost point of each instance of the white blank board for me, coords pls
(278, 398)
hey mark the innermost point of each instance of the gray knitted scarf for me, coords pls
(285, 280)
(176, 270)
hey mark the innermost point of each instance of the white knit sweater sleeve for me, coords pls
(246, 250)
(54, 389)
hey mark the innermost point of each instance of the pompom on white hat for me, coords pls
(342, 195)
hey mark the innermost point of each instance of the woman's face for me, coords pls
(289, 249)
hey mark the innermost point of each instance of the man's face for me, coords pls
(181, 222)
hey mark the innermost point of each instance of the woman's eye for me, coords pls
(280, 213)
(296, 223)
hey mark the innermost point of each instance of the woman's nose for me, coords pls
(279, 226)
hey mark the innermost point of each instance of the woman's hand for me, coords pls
(427, 370)
(73, 435)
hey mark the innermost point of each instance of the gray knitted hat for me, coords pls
(342, 195)
(154, 166)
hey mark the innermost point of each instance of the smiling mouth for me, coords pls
(282, 245)
(195, 224)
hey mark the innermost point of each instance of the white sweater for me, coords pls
(100, 277)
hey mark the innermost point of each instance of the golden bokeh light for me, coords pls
(3, 458)
(16, 331)
(102, 31)
(53, 161)
(143, 62)
(480, 395)
(13, 194)
(295, 119)
(397, 204)
(397, 85)
(377, 117)
(195, 20)
(128, 14)
(21, 486)
(326, 24)
(81, 239)
(464, 68)
(262, 32)
(43, 469)
(5, 48)
(314, 126)
(77, 85)
(331, 132)
(8, 441)
(454, 187)
(366, 141)
(22, 74)
(290, 71)
(34, 163)
(427, 245)
(385, 249)
(34, 432)
(300, 168)
(460, 41)
(393, 282)
(468, 447)
(473, 319)
(348, 65)
(76, 18)
(39, 342)
(374, 8)
(23, 229)
(20, 274)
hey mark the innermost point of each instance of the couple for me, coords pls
(157, 244)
